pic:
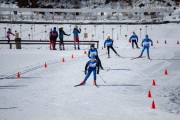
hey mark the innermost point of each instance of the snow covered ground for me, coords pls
(49, 93)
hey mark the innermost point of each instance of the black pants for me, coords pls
(134, 41)
(97, 58)
(108, 47)
(61, 43)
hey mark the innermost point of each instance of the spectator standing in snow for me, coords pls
(76, 33)
(8, 35)
(55, 36)
(51, 40)
(61, 36)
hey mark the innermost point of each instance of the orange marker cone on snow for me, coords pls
(72, 56)
(63, 60)
(165, 72)
(18, 75)
(153, 105)
(45, 65)
(153, 83)
(149, 94)
(84, 51)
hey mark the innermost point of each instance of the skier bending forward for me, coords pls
(91, 66)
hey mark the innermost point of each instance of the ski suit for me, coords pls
(91, 67)
(146, 44)
(134, 39)
(61, 36)
(76, 32)
(109, 44)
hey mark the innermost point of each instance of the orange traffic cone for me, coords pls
(178, 42)
(149, 94)
(63, 60)
(153, 105)
(45, 65)
(157, 41)
(18, 75)
(72, 56)
(153, 83)
(165, 42)
(165, 72)
(85, 52)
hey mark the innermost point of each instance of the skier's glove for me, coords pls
(142, 45)
(97, 72)
(129, 41)
(69, 34)
(151, 44)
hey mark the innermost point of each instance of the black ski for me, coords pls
(78, 85)
(136, 58)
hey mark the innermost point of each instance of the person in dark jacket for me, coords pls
(61, 36)
(134, 40)
(76, 33)
(55, 36)
(51, 40)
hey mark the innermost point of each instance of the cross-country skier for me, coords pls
(146, 44)
(51, 40)
(91, 66)
(93, 52)
(134, 39)
(61, 36)
(109, 44)
(8, 34)
(55, 36)
(76, 33)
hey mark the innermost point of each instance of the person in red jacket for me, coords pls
(8, 35)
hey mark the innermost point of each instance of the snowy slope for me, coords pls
(48, 93)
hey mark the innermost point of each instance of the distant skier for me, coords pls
(61, 36)
(134, 39)
(51, 40)
(109, 44)
(93, 52)
(91, 66)
(76, 33)
(55, 36)
(8, 35)
(146, 44)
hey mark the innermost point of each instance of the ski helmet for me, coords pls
(146, 36)
(92, 45)
(108, 37)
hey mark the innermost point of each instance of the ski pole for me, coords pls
(116, 46)
(102, 78)
(127, 45)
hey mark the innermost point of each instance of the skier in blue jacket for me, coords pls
(134, 39)
(146, 44)
(76, 33)
(109, 44)
(91, 66)
(93, 52)
(61, 37)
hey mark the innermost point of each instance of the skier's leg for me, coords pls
(97, 58)
(75, 45)
(8, 39)
(87, 75)
(94, 73)
(108, 51)
(132, 43)
(148, 52)
(142, 51)
(63, 44)
(113, 49)
(136, 44)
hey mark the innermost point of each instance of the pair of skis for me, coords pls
(138, 58)
(84, 85)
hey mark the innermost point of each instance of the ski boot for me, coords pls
(94, 83)
(108, 56)
(140, 56)
(82, 83)
(78, 48)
